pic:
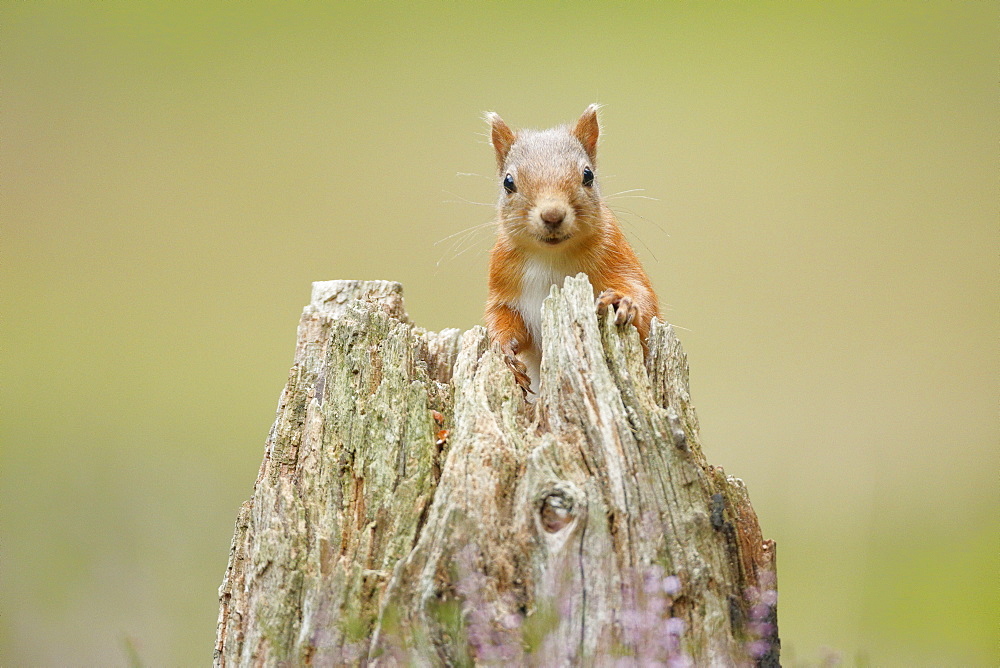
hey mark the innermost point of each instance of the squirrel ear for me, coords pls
(587, 130)
(501, 135)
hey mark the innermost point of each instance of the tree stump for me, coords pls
(413, 509)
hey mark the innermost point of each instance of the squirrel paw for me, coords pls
(625, 309)
(517, 367)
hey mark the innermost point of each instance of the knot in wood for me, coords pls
(556, 511)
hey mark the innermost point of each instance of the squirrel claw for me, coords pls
(520, 372)
(517, 367)
(625, 309)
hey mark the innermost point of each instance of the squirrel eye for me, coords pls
(508, 184)
(588, 177)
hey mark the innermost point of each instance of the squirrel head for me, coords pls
(549, 197)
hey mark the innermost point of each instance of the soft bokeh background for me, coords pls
(825, 232)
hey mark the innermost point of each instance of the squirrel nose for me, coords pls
(553, 216)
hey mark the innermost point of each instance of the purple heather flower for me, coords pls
(760, 611)
(758, 648)
(671, 585)
(680, 661)
(510, 621)
(676, 626)
(761, 629)
(651, 579)
(656, 606)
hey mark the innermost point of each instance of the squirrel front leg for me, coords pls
(626, 310)
(633, 305)
(506, 328)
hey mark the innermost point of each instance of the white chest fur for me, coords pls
(540, 274)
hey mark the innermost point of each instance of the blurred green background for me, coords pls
(825, 232)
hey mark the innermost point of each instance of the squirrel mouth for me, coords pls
(552, 241)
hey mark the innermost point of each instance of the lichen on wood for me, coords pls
(412, 508)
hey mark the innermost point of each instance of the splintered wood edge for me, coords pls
(330, 298)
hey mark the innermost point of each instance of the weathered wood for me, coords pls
(412, 509)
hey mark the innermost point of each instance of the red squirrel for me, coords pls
(552, 223)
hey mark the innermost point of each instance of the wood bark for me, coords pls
(413, 509)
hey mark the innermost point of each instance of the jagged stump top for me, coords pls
(412, 508)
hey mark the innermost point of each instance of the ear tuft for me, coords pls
(501, 136)
(587, 130)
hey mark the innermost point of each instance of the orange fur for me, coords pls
(553, 223)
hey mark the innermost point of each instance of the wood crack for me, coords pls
(395, 448)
